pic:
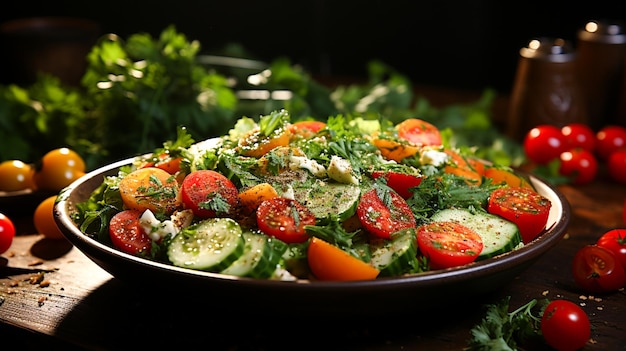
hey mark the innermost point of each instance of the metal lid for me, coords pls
(607, 32)
(549, 49)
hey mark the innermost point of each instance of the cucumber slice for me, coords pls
(499, 235)
(396, 256)
(260, 258)
(210, 245)
(325, 198)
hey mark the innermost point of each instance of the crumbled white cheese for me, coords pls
(433, 157)
(340, 170)
(288, 193)
(158, 230)
(296, 162)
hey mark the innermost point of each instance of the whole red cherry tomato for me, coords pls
(580, 164)
(565, 326)
(7, 233)
(579, 135)
(615, 241)
(616, 165)
(597, 270)
(609, 139)
(544, 143)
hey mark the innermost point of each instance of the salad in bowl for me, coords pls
(345, 199)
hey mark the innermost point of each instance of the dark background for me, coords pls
(460, 44)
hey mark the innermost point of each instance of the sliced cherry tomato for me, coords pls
(579, 135)
(328, 262)
(43, 219)
(383, 218)
(255, 144)
(448, 244)
(209, 194)
(284, 219)
(7, 233)
(306, 129)
(394, 150)
(609, 139)
(544, 143)
(58, 168)
(526, 208)
(597, 270)
(419, 132)
(565, 326)
(150, 189)
(459, 166)
(616, 165)
(400, 182)
(580, 165)
(500, 175)
(16, 175)
(615, 241)
(127, 234)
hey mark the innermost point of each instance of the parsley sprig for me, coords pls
(504, 330)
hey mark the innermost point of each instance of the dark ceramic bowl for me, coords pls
(383, 295)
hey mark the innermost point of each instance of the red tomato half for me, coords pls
(7, 233)
(209, 194)
(419, 132)
(565, 326)
(382, 220)
(579, 164)
(448, 244)
(615, 241)
(544, 143)
(284, 219)
(522, 206)
(399, 182)
(609, 139)
(579, 135)
(127, 234)
(597, 270)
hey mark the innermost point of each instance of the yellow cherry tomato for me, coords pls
(16, 175)
(58, 168)
(43, 219)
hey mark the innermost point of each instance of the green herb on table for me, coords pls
(503, 330)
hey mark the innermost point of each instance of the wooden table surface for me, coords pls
(51, 295)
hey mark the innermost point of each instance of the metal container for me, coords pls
(546, 88)
(601, 51)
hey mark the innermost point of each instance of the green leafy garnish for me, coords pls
(504, 330)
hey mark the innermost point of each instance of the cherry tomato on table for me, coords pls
(615, 241)
(544, 143)
(58, 168)
(579, 135)
(579, 164)
(526, 208)
(209, 194)
(43, 219)
(565, 326)
(16, 175)
(284, 219)
(448, 244)
(7, 233)
(379, 219)
(616, 165)
(597, 270)
(609, 139)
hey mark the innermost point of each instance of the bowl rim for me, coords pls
(559, 218)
